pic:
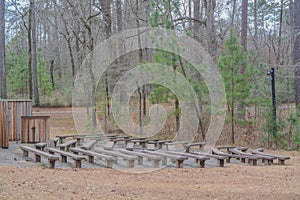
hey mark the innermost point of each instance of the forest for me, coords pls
(43, 45)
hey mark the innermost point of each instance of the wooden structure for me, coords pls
(10, 119)
(35, 129)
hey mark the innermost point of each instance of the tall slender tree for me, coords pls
(34, 54)
(2, 50)
(296, 51)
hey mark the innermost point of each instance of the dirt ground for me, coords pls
(234, 181)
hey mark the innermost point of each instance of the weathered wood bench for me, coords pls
(252, 159)
(77, 159)
(40, 146)
(89, 144)
(281, 159)
(220, 159)
(91, 155)
(65, 146)
(38, 153)
(216, 151)
(199, 158)
(109, 145)
(189, 145)
(179, 159)
(171, 145)
(141, 156)
(129, 146)
(159, 144)
(151, 147)
(130, 159)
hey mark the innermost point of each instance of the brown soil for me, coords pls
(234, 181)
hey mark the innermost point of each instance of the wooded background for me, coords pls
(43, 43)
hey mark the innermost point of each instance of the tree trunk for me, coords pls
(30, 88)
(2, 51)
(296, 51)
(57, 43)
(196, 28)
(210, 26)
(244, 24)
(34, 55)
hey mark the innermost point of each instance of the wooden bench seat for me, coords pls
(281, 159)
(141, 156)
(179, 159)
(130, 159)
(199, 158)
(252, 159)
(129, 146)
(159, 144)
(220, 159)
(171, 145)
(38, 153)
(189, 145)
(77, 159)
(40, 146)
(89, 144)
(65, 146)
(109, 145)
(91, 155)
(216, 151)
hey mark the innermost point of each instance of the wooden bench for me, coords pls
(281, 159)
(216, 151)
(77, 159)
(220, 159)
(89, 144)
(159, 144)
(130, 159)
(38, 153)
(171, 145)
(40, 146)
(179, 159)
(199, 158)
(91, 155)
(252, 159)
(151, 147)
(129, 146)
(109, 145)
(189, 145)
(141, 156)
(65, 146)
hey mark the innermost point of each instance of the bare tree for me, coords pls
(2, 50)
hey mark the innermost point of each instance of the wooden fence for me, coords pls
(10, 119)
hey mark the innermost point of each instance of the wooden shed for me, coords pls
(35, 129)
(10, 119)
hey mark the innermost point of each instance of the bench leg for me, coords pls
(160, 145)
(201, 163)
(220, 162)
(140, 160)
(109, 163)
(281, 162)
(253, 162)
(25, 153)
(228, 160)
(164, 161)
(156, 163)
(63, 158)
(77, 163)
(269, 162)
(243, 160)
(51, 163)
(37, 158)
(179, 163)
(130, 163)
(91, 159)
(62, 148)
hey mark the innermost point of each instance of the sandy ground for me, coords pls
(234, 181)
